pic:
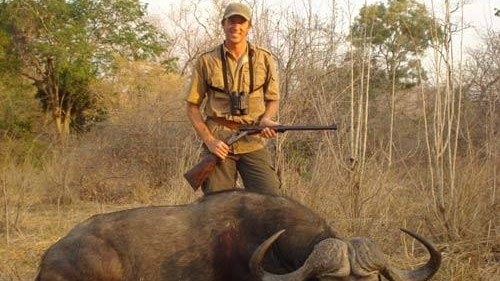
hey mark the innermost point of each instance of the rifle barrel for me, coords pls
(283, 128)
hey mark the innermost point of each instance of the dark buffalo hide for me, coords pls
(208, 240)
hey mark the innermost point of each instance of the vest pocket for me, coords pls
(219, 103)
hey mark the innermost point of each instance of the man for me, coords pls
(239, 84)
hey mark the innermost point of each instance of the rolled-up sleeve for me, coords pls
(197, 88)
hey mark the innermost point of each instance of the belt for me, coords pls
(226, 123)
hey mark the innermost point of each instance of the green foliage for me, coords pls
(63, 46)
(17, 108)
(398, 35)
(20, 119)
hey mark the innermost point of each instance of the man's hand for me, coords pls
(218, 148)
(215, 146)
(268, 132)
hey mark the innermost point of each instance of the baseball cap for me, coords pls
(233, 9)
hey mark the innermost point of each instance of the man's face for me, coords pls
(236, 29)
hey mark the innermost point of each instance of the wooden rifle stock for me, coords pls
(201, 171)
(198, 174)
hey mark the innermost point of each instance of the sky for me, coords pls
(476, 13)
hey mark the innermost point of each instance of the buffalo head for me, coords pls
(358, 259)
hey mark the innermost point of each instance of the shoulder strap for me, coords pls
(224, 68)
(250, 65)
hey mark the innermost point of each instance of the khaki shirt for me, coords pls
(208, 76)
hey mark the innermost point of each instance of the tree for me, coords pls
(482, 86)
(63, 46)
(398, 35)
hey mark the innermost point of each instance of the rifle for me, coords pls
(201, 171)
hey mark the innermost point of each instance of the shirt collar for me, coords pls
(250, 50)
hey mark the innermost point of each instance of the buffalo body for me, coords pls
(211, 239)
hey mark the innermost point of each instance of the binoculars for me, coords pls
(239, 103)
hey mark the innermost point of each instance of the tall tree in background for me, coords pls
(63, 46)
(395, 37)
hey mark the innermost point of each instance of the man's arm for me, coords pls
(214, 145)
(271, 97)
(267, 119)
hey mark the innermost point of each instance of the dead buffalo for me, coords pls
(232, 235)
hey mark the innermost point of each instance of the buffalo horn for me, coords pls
(422, 273)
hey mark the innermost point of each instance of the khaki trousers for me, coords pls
(255, 169)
